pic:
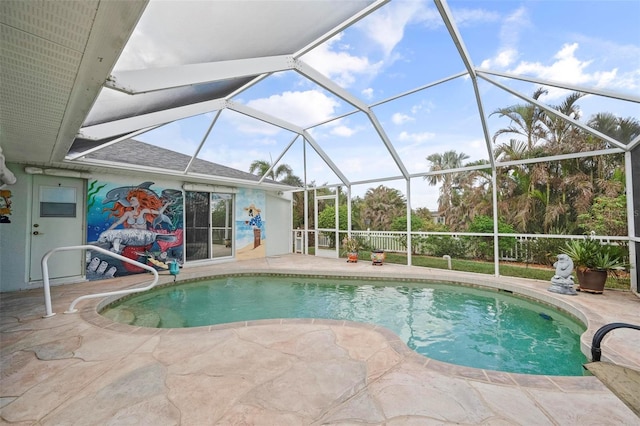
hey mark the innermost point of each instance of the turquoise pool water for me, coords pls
(451, 323)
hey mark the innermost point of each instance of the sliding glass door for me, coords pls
(208, 225)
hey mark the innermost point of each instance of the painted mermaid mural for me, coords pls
(136, 222)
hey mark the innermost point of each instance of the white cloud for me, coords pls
(465, 17)
(367, 93)
(425, 106)
(400, 118)
(386, 26)
(343, 131)
(341, 66)
(248, 125)
(503, 59)
(415, 137)
(566, 68)
(509, 37)
(300, 108)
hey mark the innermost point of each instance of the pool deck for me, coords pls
(82, 369)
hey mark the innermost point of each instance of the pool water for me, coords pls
(451, 323)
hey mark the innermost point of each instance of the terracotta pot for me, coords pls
(591, 281)
(352, 257)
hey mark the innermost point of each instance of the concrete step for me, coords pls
(622, 381)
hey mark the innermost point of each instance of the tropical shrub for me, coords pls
(439, 245)
(482, 247)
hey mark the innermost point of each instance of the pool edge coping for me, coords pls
(591, 320)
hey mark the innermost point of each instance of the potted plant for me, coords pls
(351, 246)
(377, 257)
(593, 262)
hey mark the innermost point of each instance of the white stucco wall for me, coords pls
(15, 236)
(14, 256)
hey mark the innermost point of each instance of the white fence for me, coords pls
(390, 241)
(381, 240)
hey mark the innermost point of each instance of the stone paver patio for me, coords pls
(83, 369)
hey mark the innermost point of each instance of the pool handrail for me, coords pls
(47, 287)
(596, 351)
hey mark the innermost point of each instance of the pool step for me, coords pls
(146, 318)
(134, 315)
(622, 381)
(121, 315)
(171, 319)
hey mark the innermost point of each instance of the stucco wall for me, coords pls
(14, 257)
(15, 236)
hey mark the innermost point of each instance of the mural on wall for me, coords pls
(250, 224)
(5, 206)
(134, 221)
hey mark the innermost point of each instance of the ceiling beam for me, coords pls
(557, 113)
(267, 118)
(328, 84)
(202, 141)
(445, 13)
(320, 79)
(576, 88)
(273, 165)
(325, 157)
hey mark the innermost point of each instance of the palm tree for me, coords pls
(262, 166)
(561, 135)
(624, 130)
(283, 173)
(439, 162)
(292, 180)
(550, 195)
(526, 120)
(381, 206)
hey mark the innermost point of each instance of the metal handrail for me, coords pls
(596, 352)
(47, 287)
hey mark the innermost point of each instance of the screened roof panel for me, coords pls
(427, 122)
(174, 33)
(114, 105)
(167, 67)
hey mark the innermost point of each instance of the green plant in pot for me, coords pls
(351, 246)
(593, 263)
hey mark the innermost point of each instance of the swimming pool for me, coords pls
(458, 324)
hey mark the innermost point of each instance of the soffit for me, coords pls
(55, 57)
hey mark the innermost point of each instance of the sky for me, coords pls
(400, 47)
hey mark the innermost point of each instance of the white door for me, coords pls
(57, 220)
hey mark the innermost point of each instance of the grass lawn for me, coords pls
(537, 272)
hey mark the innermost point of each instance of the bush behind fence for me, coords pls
(538, 250)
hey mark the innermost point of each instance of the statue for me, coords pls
(562, 281)
(6, 176)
